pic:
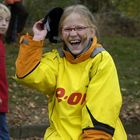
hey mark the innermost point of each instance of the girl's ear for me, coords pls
(93, 31)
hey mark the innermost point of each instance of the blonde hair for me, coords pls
(82, 11)
(4, 10)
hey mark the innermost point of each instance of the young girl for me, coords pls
(80, 80)
(4, 22)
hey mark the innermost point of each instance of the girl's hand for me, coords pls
(39, 32)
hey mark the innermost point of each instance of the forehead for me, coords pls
(74, 19)
(4, 11)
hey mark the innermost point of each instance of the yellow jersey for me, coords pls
(82, 96)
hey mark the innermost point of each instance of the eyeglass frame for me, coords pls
(76, 28)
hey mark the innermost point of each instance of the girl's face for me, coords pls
(76, 33)
(4, 22)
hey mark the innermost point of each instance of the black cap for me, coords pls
(51, 21)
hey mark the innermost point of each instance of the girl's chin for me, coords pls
(75, 47)
(2, 31)
(75, 52)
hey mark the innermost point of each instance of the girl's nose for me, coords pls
(73, 32)
(4, 22)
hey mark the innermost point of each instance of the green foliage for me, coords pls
(38, 8)
(126, 7)
(130, 8)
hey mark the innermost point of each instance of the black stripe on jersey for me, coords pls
(28, 73)
(100, 126)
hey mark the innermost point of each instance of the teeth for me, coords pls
(75, 41)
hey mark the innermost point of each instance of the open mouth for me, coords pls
(75, 43)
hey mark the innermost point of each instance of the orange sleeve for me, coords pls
(95, 135)
(29, 55)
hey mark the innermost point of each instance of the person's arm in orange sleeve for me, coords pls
(95, 135)
(30, 52)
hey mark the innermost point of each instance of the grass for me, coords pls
(125, 52)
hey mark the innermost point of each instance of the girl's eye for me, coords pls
(7, 20)
(68, 29)
(76, 28)
(80, 28)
